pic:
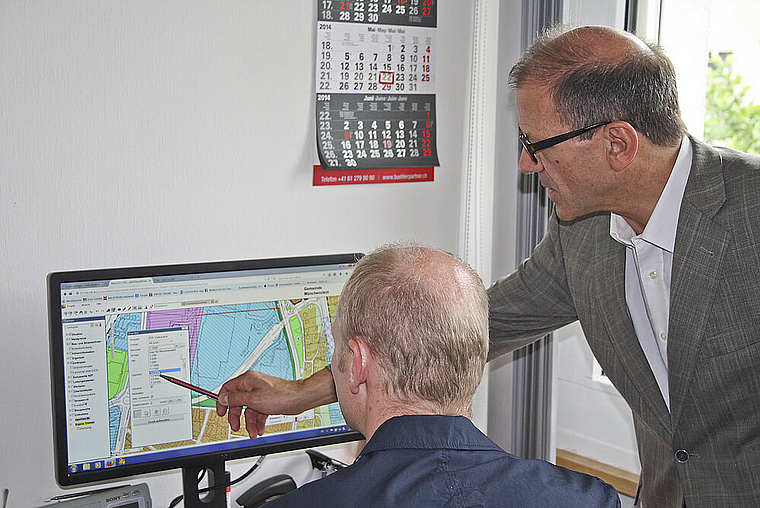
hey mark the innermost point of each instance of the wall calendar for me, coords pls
(375, 86)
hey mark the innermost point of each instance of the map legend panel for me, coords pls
(86, 396)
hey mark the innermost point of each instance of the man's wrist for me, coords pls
(318, 389)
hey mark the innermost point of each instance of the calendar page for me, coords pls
(375, 84)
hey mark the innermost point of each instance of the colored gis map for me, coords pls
(289, 339)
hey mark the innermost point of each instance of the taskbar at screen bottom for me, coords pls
(218, 447)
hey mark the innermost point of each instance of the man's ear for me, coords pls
(359, 363)
(622, 144)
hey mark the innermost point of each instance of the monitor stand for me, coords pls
(214, 498)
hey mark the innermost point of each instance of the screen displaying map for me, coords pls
(119, 337)
(290, 339)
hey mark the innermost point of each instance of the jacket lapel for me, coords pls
(609, 290)
(697, 260)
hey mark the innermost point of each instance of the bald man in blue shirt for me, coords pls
(411, 341)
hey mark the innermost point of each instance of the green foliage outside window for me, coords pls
(731, 119)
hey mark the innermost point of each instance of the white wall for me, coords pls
(140, 132)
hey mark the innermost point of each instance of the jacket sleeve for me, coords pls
(534, 300)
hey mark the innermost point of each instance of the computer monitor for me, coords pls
(113, 332)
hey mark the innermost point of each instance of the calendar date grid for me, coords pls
(370, 134)
(401, 12)
(370, 59)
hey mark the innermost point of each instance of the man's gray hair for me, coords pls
(588, 84)
(424, 316)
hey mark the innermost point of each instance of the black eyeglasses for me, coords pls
(532, 148)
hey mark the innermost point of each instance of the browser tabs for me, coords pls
(127, 282)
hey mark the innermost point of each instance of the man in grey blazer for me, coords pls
(655, 248)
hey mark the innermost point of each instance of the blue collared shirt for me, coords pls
(445, 461)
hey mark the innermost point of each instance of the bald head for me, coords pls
(424, 315)
(602, 42)
(600, 74)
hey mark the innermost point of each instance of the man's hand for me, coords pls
(261, 395)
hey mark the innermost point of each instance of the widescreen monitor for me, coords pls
(113, 332)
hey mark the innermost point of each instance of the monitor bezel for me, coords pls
(55, 331)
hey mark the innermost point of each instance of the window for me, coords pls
(715, 49)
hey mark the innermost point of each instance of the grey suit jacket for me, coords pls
(706, 450)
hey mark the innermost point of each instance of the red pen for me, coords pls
(189, 386)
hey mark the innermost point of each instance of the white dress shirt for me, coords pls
(648, 265)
